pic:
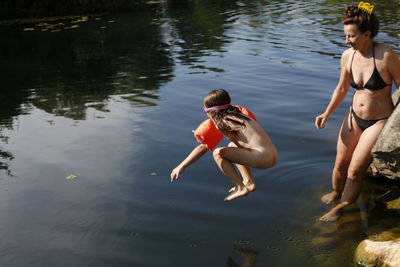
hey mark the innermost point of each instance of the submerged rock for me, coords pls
(391, 200)
(378, 253)
(386, 152)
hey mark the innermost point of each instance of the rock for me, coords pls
(386, 152)
(383, 231)
(383, 249)
(378, 253)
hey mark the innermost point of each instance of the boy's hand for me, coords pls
(176, 172)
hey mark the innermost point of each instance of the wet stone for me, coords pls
(378, 253)
(386, 152)
(391, 200)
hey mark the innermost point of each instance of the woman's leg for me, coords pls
(347, 140)
(360, 162)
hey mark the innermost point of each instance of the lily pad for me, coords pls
(72, 176)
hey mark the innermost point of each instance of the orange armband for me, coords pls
(246, 112)
(208, 134)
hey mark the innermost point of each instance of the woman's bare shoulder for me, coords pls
(384, 50)
(386, 53)
(349, 51)
(382, 47)
(346, 57)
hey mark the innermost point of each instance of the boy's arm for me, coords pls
(197, 153)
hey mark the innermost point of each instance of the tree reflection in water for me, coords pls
(64, 66)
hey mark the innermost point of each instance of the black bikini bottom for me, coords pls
(364, 124)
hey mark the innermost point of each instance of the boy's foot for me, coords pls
(250, 187)
(330, 197)
(237, 193)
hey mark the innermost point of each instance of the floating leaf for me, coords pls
(72, 176)
(42, 24)
(154, 2)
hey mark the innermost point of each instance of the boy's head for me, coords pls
(216, 97)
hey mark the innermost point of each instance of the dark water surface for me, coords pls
(113, 99)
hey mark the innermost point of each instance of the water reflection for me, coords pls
(201, 30)
(13, 103)
(5, 156)
(70, 68)
(65, 67)
(249, 257)
(77, 61)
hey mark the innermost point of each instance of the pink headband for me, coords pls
(216, 108)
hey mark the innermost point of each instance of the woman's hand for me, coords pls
(176, 172)
(320, 121)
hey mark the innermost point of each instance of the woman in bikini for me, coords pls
(370, 68)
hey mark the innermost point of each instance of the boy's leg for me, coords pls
(247, 178)
(246, 175)
(229, 170)
(249, 157)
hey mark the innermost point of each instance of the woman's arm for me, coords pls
(338, 94)
(197, 153)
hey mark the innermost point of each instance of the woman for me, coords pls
(370, 68)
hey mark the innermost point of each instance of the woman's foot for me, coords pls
(331, 216)
(330, 197)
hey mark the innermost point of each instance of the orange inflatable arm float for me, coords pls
(246, 112)
(207, 133)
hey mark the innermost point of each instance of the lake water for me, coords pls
(113, 99)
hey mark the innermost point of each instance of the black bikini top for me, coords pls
(374, 83)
